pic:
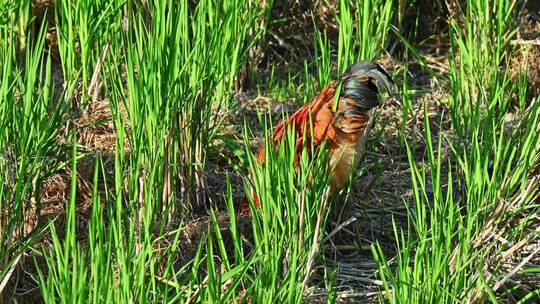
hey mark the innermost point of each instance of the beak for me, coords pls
(382, 80)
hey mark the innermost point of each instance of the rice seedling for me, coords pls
(165, 73)
(362, 34)
(288, 229)
(83, 28)
(67, 268)
(279, 255)
(460, 201)
(323, 60)
(177, 73)
(282, 89)
(29, 121)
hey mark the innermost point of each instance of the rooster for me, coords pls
(345, 129)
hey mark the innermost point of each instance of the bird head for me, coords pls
(363, 81)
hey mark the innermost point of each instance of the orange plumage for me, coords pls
(345, 129)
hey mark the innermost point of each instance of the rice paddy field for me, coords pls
(128, 130)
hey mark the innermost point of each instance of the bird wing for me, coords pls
(320, 112)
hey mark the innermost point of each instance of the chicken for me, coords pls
(345, 129)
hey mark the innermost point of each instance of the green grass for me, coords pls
(363, 34)
(489, 166)
(289, 227)
(30, 118)
(83, 28)
(167, 79)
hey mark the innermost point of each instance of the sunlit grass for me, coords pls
(169, 76)
(460, 198)
(30, 118)
(83, 28)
